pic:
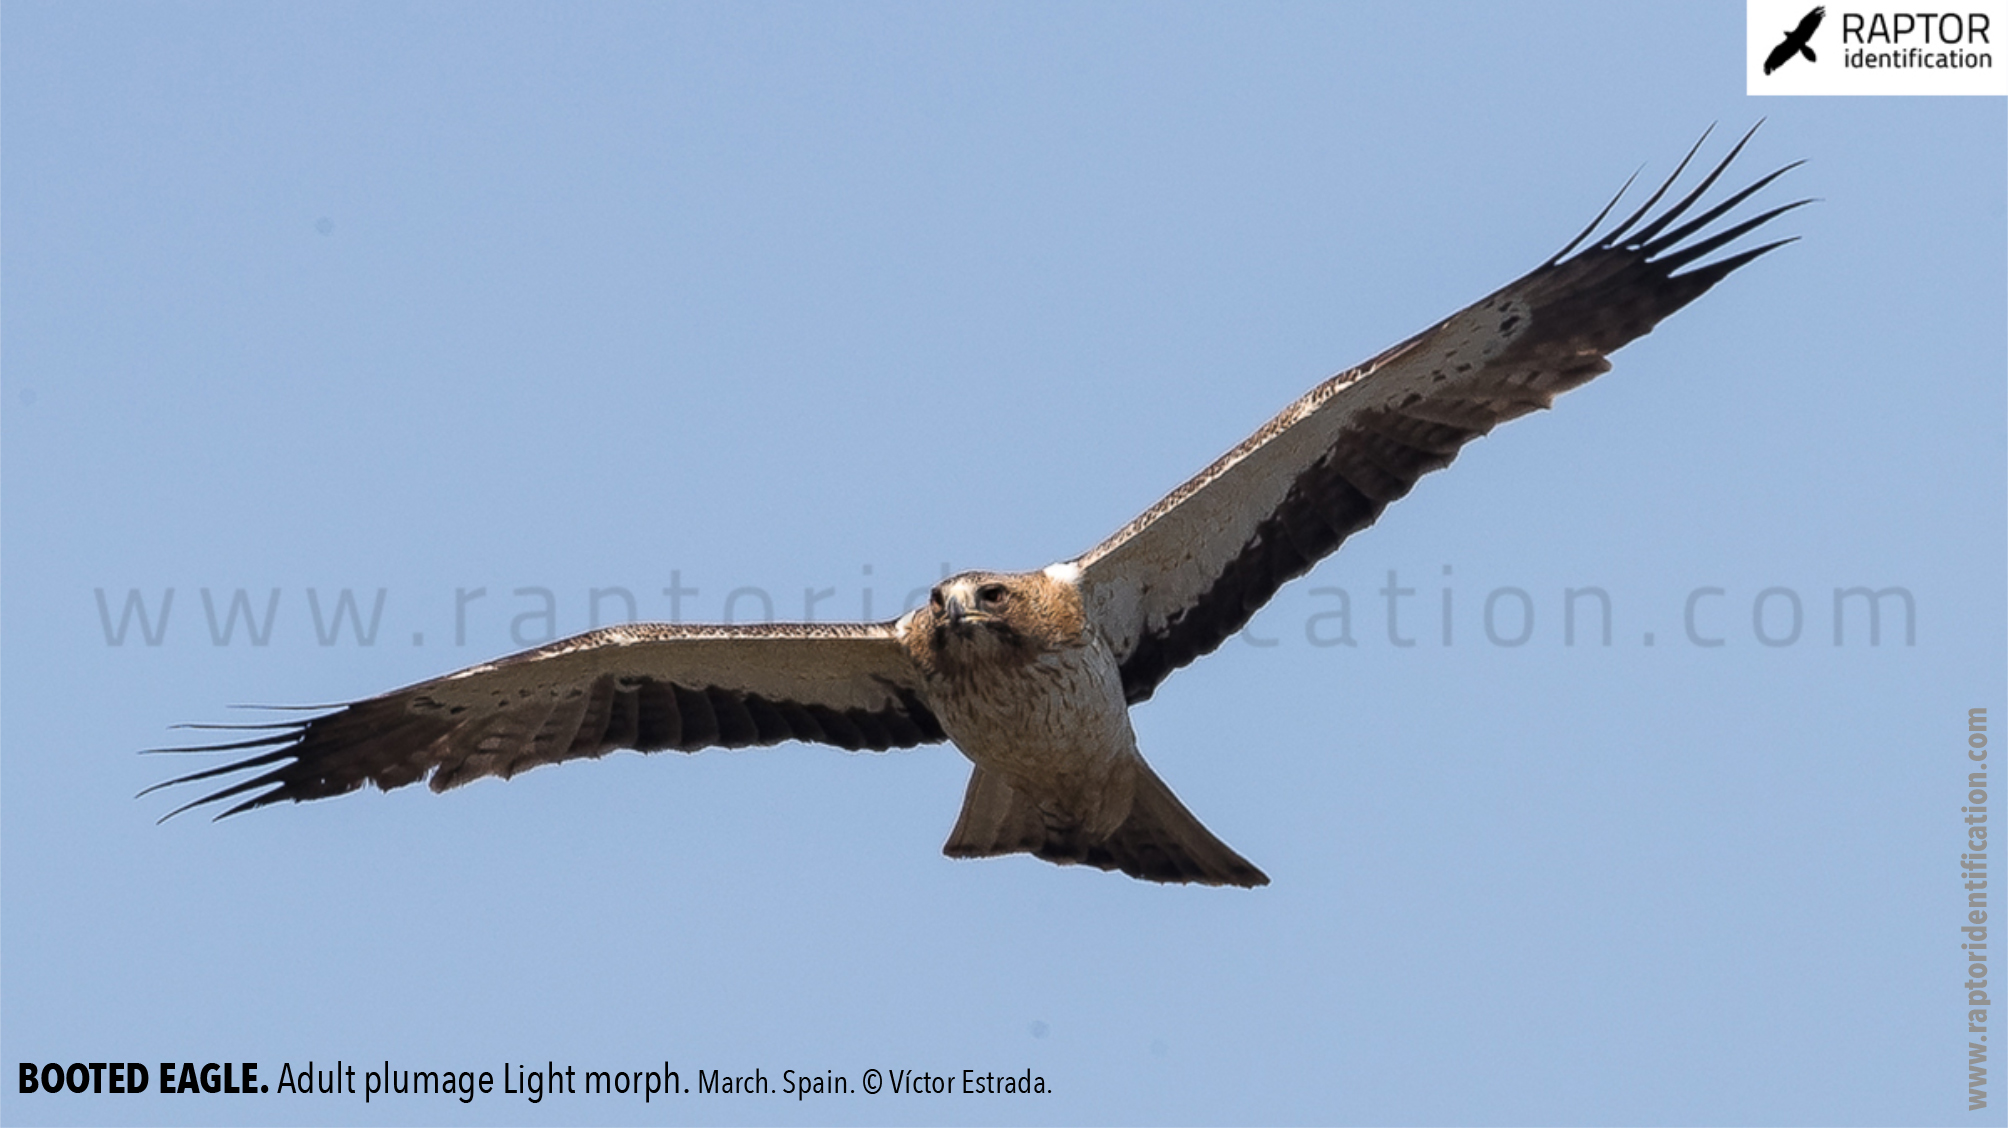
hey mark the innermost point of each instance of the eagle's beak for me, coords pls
(958, 607)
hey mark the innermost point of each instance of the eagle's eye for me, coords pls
(992, 593)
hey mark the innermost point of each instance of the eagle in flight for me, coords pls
(1798, 41)
(1032, 674)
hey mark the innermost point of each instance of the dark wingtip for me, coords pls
(1668, 250)
(227, 746)
(1714, 272)
(1645, 234)
(1677, 259)
(276, 742)
(1572, 244)
(234, 725)
(179, 810)
(1646, 207)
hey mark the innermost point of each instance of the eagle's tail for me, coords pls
(1160, 840)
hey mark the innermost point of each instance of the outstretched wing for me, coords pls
(1809, 25)
(643, 686)
(1782, 53)
(1176, 582)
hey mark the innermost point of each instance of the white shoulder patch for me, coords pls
(1066, 572)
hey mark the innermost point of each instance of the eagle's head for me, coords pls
(981, 619)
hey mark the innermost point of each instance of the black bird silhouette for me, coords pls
(1798, 41)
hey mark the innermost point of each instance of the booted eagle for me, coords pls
(1032, 674)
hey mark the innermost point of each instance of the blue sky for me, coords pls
(769, 301)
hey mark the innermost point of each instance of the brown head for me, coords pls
(994, 618)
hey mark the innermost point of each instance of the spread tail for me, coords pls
(1160, 840)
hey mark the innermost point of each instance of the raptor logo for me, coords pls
(1798, 41)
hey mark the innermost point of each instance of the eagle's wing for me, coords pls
(1783, 52)
(1176, 582)
(643, 686)
(1808, 26)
